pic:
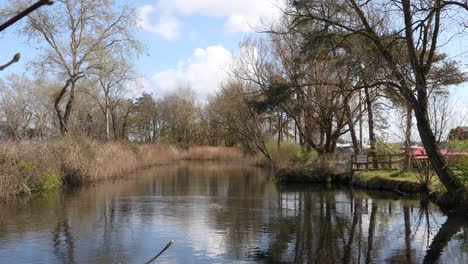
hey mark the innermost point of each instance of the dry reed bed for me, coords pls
(215, 153)
(34, 166)
(225, 154)
(29, 167)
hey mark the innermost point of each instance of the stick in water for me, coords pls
(162, 251)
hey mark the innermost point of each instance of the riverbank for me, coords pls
(30, 167)
(373, 181)
(404, 184)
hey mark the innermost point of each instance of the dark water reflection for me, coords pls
(224, 214)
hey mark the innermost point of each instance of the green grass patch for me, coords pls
(393, 175)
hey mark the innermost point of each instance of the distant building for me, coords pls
(459, 133)
(349, 148)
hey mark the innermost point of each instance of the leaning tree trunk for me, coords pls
(69, 106)
(63, 118)
(58, 111)
(438, 163)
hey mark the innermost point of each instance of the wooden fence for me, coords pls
(375, 162)
(393, 161)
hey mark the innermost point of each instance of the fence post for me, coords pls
(367, 162)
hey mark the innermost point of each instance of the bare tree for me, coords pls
(77, 33)
(112, 76)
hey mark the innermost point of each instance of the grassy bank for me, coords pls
(376, 180)
(401, 183)
(29, 167)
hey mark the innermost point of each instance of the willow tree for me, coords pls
(75, 33)
(416, 24)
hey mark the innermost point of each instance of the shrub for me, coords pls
(50, 182)
(287, 152)
(304, 156)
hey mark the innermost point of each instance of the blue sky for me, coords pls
(191, 42)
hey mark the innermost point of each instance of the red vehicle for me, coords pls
(451, 156)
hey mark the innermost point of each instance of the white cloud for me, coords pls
(203, 71)
(241, 15)
(167, 26)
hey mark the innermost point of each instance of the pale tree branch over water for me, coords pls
(14, 19)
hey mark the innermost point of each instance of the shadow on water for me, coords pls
(63, 241)
(448, 230)
(225, 213)
(326, 227)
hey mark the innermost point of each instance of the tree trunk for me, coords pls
(107, 116)
(439, 165)
(114, 123)
(69, 106)
(279, 130)
(409, 126)
(360, 121)
(308, 135)
(352, 131)
(372, 137)
(58, 111)
(124, 125)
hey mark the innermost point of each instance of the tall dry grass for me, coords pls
(207, 153)
(34, 166)
(29, 167)
(225, 154)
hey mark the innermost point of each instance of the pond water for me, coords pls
(219, 213)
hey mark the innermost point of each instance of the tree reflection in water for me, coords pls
(322, 227)
(63, 241)
(220, 214)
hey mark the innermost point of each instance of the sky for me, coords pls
(191, 42)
